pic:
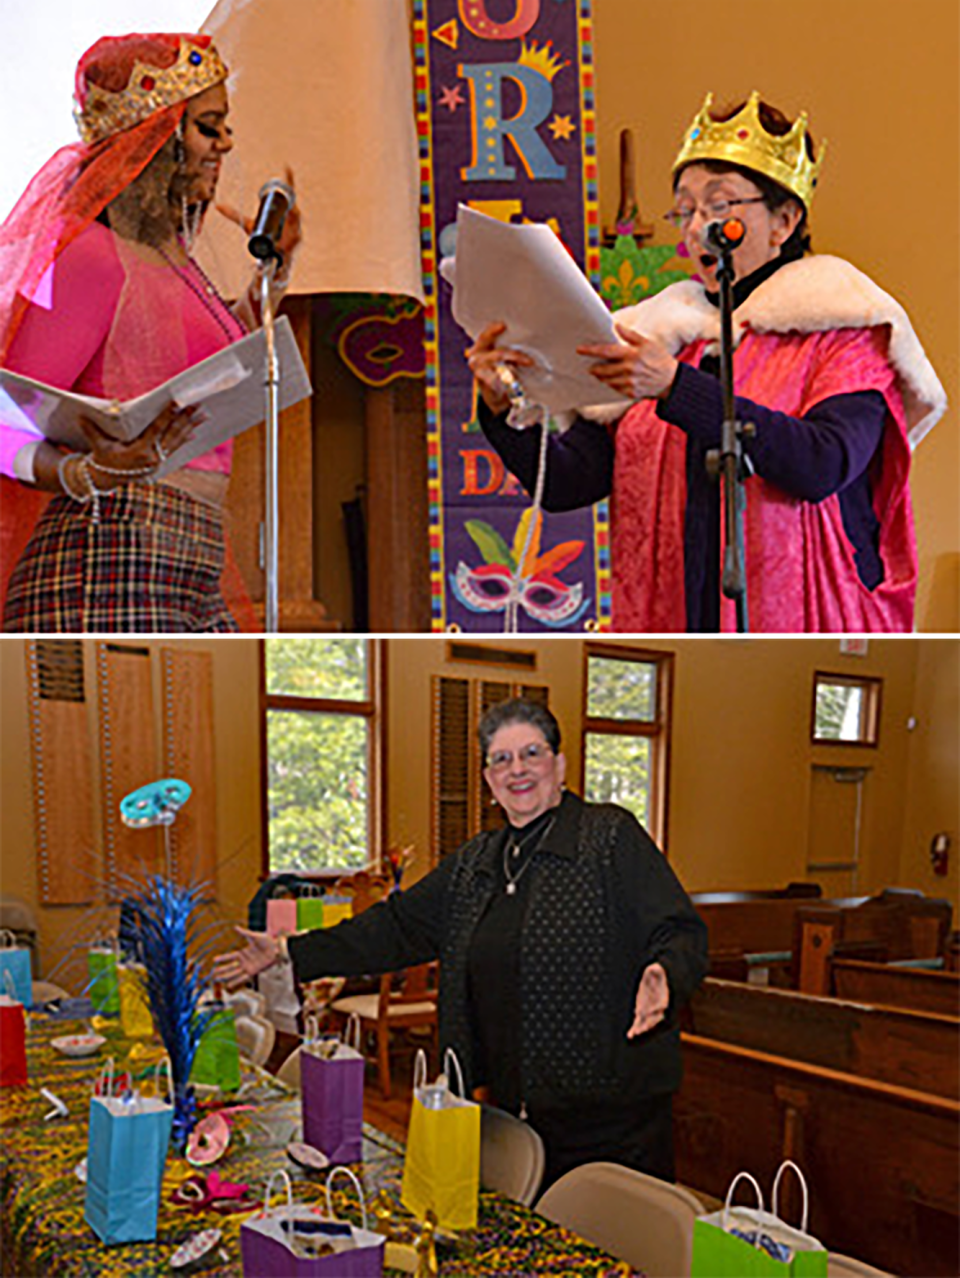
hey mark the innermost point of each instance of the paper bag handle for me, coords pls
(313, 1029)
(450, 1056)
(285, 1176)
(345, 1171)
(353, 1023)
(165, 1061)
(310, 890)
(743, 1175)
(419, 1069)
(803, 1185)
(8, 940)
(106, 1074)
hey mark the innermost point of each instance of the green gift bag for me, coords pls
(768, 1248)
(217, 1062)
(309, 908)
(103, 985)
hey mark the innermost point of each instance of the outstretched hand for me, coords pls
(653, 999)
(237, 966)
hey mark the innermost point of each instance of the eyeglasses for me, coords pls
(714, 211)
(534, 754)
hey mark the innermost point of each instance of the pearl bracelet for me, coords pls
(80, 498)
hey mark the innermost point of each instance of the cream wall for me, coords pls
(740, 774)
(741, 758)
(880, 81)
(933, 770)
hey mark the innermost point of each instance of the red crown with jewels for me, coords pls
(168, 69)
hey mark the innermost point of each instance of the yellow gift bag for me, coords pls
(135, 1016)
(441, 1171)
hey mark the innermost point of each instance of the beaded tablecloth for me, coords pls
(42, 1199)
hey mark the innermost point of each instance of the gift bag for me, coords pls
(335, 909)
(135, 1015)
(103, 986)
(295, 1241)
(217, 1061)
(13, 1042)
(127, 1146)
(747, 1242)
(15, 964)
(331, 1087)
(310, 908)
(441, 1170)
(281, 915)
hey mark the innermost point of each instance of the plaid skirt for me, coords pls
(151, 565)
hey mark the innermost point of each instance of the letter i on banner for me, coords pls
(505, 121)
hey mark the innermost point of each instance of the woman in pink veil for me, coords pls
(99, 294)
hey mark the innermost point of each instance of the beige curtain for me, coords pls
(325, 86)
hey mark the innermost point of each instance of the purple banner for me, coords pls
(505, 118)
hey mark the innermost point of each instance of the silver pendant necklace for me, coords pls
(515, 847)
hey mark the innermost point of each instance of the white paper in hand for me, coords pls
(525, 278)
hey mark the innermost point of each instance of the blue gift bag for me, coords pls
(127, 1147)
(16, 978)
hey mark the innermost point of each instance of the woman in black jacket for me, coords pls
(566, 946)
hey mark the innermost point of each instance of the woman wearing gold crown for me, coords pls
(828, 369)
(99, 294)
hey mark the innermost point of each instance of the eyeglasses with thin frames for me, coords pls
(534, 754)
(714, 211)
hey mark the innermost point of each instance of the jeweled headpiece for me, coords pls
(101, 112)
(743, 140)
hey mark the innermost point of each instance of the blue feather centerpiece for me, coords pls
(173, 949)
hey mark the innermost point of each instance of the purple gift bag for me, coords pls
(331, 1087)
(296, 1241)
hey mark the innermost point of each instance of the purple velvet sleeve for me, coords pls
(808, 457)
(579, 462)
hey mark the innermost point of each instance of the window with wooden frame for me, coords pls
(460, 803)
(322, 751)
(846, 709)
(626, 731)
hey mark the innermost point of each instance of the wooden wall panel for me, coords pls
(67, 868)
(128, 760)
(188, 753)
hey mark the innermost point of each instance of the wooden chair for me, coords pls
(406, 1000)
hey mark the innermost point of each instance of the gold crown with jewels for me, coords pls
(149, 89)
(743, 140)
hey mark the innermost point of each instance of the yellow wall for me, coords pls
(880, 82)
(740, 775)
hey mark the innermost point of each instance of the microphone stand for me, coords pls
(730, 462)
(271, 382)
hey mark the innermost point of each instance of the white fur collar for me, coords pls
(812, 295)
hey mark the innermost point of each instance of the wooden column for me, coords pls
(397, 523)
(299, 608)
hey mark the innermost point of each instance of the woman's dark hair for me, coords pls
(774, 195)
(518, 710)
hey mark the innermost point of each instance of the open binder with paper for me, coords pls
(524, 277)
(228, 386)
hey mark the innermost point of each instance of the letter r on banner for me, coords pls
(489, 129)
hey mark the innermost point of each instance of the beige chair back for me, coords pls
(255, 1038)
(511, 1155)
(642, 1220)
(289, 1071)
(847, 1267)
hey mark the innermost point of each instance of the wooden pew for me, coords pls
(882, 1161)
(909, 987)
(904, 1048)
(905, 924)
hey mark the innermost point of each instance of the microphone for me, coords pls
(276, 201)
(721, 237)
